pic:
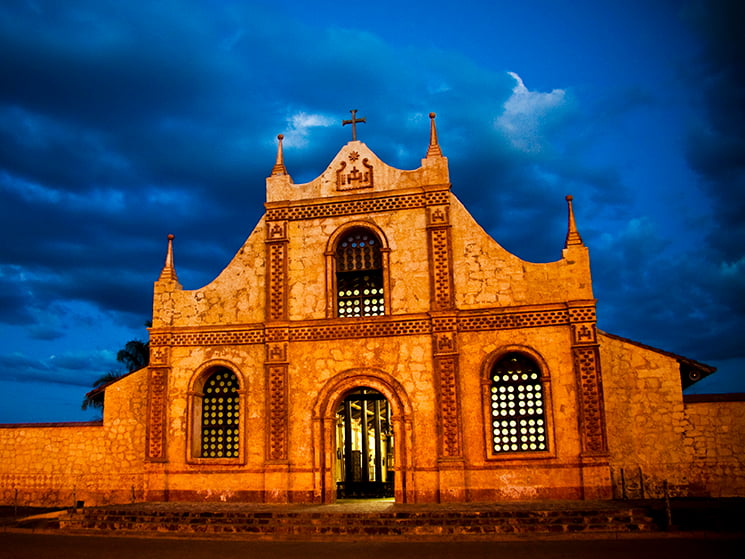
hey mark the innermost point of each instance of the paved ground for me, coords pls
(43, 546)
(710, 515)
(709, 526)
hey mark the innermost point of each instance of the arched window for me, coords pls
(219, 420)
(359, 274)
(517, 403)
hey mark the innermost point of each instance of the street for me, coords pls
(41, 546)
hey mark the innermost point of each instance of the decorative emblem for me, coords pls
(354, 179)
(277, 230)
(445, 342)
(584, 333)
(439, 216)
(277, 352)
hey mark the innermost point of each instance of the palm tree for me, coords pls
(134, 356)
(94, 398)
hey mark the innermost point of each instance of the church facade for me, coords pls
(370, 339)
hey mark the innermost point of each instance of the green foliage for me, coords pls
(94, 399)
(133, 356)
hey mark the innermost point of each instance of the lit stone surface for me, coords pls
(595, 416)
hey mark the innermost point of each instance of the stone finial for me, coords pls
(573, 237)
(279, 166)
(434, 147)
(169, 271)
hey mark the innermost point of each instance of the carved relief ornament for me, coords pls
(354, 178)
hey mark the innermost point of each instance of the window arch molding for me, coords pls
(195, 403)
(488, 367)
(331, 277)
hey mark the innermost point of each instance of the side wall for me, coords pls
(715, 440)
(655, 438)
(97, 462)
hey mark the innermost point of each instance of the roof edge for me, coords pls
(720, 397)
(681, 359)
(95, 423)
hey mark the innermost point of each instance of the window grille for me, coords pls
(359, 275)
(518, 412)
(220, 416)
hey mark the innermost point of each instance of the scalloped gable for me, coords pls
(356, 170)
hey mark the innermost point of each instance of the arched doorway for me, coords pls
(364, 466)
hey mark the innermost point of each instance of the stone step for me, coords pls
(334, 522)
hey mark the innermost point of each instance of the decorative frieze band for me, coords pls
(465, 321)
(275, 334)
(509, 320)
(582, 314)
(205, 338)
(583, 320)
(444, 323)
(360, 330)
(361, 206)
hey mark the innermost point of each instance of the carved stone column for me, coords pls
(445, 357)
(157, 414)
(276, 270)
(276, 475)
(444, 349)
(594, 467)
(586, 354)
(441, 268)
(276, 393)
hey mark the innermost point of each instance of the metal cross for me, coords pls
(353, 122)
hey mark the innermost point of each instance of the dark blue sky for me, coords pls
(121, 122)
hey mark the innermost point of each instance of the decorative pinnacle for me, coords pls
(169, 271)
(434, 147)
(279, 166)
(573, 237)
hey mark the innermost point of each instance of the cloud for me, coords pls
(70, 368)
(667, 298)
(123, 123)
(300, 126)
(527, 114)
(715, 146)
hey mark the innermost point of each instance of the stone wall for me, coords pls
(60, 464)
(715, 444)
(270, 315)
(455, 301)
(656, 439)
(487, 275)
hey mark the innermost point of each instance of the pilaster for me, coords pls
(586, 355)
(276, 364)
(277, 244)
(157, 414)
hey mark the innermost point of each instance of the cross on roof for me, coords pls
(353, 121)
